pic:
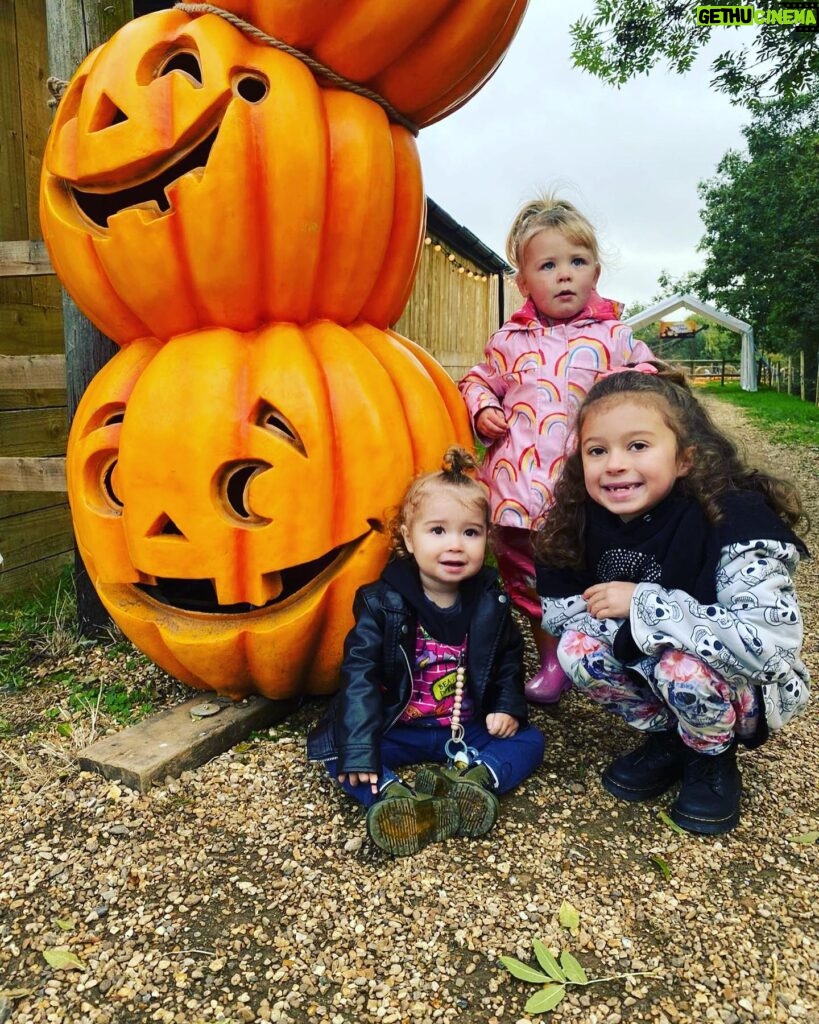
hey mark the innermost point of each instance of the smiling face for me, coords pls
(227, 493)
(557, 273)
(447, 537)
(195, 178)
(631, 457)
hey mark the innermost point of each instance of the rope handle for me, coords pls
(318, 69)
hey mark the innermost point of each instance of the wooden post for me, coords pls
(802, 382)
(75, 27)
(790, 375)
(816, 392)
(722, 374)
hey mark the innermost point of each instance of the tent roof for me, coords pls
(655, 312)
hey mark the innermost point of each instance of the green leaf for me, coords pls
(65, 729)
(568, 916)
(574, 972)
(670, 823)
(662, 865)
(545, 1000)
(64, 924)
(523, 971)
(805, 838)
(15, 993)
(61, 959)
(548, 962)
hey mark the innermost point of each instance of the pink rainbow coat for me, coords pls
(538, 372)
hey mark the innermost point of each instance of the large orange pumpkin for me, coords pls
(228, 492)
(426, 57)
(193, 178)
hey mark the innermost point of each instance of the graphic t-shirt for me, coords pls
(433, 682)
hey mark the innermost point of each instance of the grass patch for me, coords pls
(41, 626)
(786, 418)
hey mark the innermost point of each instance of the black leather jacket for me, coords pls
(376, 675)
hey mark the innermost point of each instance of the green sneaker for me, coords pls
(477, 805)
(403, 822)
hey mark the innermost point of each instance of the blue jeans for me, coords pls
(510, 761)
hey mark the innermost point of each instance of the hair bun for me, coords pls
(458, 462)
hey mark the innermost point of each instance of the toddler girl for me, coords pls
(432, 672)
(668, 576)
(523, 397)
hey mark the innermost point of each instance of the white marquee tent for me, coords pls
(747, 366)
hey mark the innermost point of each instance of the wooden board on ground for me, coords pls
(178, 740)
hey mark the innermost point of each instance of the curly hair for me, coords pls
(717, 466)
(455, 475)
(547, 211)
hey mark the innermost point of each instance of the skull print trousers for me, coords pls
(676, 689)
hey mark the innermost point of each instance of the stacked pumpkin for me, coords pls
(247, 233)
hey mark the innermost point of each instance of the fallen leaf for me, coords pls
(568, 917)
(62, 959)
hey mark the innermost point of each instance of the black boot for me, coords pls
(708, 801)
(649, 770)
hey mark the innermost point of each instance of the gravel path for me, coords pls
(247, 891)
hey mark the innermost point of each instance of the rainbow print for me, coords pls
(544, 492)
(552, 423)
(528, 361)
(514, 509)
(585, 353)
(503, 467)
(529, 459)
(523, 411)
(549, 388)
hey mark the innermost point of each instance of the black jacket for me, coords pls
(376, 675)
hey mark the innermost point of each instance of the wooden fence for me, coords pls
(35, 530)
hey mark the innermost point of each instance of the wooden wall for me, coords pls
(454, 307)
(35, 531)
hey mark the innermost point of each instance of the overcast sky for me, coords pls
(629, 158)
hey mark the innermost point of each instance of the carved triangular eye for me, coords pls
(164, 526)
(106, 114)
(185, 62)
(269, 417)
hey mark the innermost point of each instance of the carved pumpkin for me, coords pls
(426, 58)
(193, 178)
(227, 492)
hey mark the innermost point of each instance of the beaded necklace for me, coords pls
(456, 749)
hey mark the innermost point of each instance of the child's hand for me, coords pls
(610, 600)
(499, 724)
(490, 422)
(360, 779)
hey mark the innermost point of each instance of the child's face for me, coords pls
(558, 275)
(448, 540)
(630, 457)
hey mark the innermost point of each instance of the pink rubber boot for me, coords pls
(547, 685)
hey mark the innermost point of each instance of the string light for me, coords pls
(454, 263)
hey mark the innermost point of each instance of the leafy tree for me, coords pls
(761, 219)
(626, 38)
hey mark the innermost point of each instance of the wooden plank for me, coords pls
(28, 579)
(26, 258)
(31, 330)
(13, 203)
(13, 503)
(33, 399)
(32, 474)
(26, 539)
(32, 372)
(174, 741)
(33, 432)
(34, 95)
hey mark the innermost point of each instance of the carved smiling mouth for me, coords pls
(100, 206)
(200, 595)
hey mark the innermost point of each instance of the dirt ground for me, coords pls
(248, 891)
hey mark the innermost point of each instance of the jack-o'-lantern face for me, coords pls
(196, 178)
(228, 492)
(426, 58)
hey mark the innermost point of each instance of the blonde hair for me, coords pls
(547, 211)
(455, 475)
